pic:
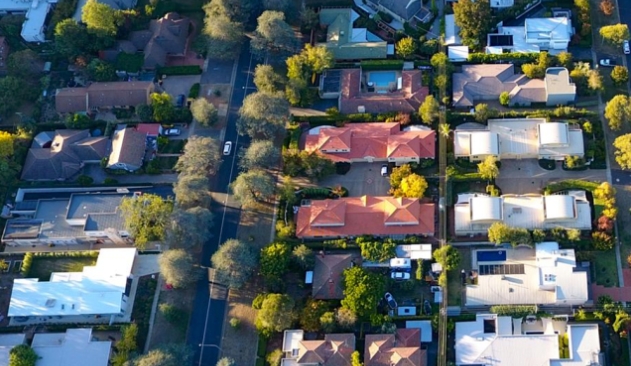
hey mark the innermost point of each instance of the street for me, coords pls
(205, 327)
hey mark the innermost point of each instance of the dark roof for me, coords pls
(99, 95)
(165, 36)
(406, 9)
(128, 147)
(327, 275)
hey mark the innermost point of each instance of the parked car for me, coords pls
(392, 303)
(400, 276)
(607, 62)
(227, 147)
(404, 264)
(180, 100)
(626, 48)
(427, 307)
(172, 132)
(384, 170)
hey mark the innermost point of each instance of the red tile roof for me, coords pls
(400, 349)
(328, 282)
(334, 350)
(356, 141)
(351, 216)
(151, 129)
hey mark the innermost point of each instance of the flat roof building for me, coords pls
(72, 348)
(537, 34)
(35, 12)
(7, 342)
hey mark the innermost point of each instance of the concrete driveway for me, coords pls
(176, 85)
(362, 179)
(526, 176)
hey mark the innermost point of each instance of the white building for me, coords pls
(7, 342)
(493, 340)
(99, 291)
(474, 213)
(529, 138)
(35, 12)
(537, 34)
(73, 348)
(545, 275)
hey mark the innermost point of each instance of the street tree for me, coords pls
(178, 268)
(483, 112)
(263, 114)
(448, 257)
(405, 47)
(201, 156)
(100, 18)
(273, 35)
(444, 130)
(22, 355)
(190, 228)
(252, 187)
(266, 79)
(234, 263)
(192, 190)
(618, 111)
(204, 112)
(620, 75)
(614, 34)
(474, 19)
(146, 217)
(362, 291)
(162, 105)
(260, 154)
(429, 110)
(166, 355)
(6, 144)
(274, 261)
(226, 361)
(412, 186)
(71, 38)
(99, 70)
(225, 36)
(276, 314)
(623, 151)
(488, 168)
(594, 80)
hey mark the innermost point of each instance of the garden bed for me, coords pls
(547, 164)
(143, 303)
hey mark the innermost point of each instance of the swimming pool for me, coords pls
(382, 78)
(491, 255)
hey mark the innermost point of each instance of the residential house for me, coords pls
(334, 350)
(501, 340)
(348, 43)
(4, 55)
(372, 142)
(67, 216)
(149, 129)
(529, 138)
(401, 348)
(166, 37)
(474, 213)
(103, 95)
(403, 11)
(478, 83)
(537, 34)
(328, 280)
(128, 149)
(61, 155)
(353, 216)
(114, 4)
(7, 342)
(35, 13)
(71, 348)
(495, 4)
(374, 91)
(98, 292)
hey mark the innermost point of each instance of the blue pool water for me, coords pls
(382, 78)
(491, 255)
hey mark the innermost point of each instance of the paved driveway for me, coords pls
(526, 176)
(176, 85)
(362, 179)
(217, 72)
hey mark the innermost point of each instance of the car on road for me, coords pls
(607, 62)
(227, 147)
(392, 303)
(400, 276)
(172, 132)
(427, 307)
(626, 48)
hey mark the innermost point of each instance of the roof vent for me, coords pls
(50, 303)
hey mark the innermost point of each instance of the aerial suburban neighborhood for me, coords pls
(315, 183)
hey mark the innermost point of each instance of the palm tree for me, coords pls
(444, 130)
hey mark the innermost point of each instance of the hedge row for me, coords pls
(180, 70)
(27, 262)
(376, 65)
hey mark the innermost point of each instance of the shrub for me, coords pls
(258, 301)
(602, 241)
(194, 92)
(172, 313)
(110, 181)
(235, 323)
(180, 70)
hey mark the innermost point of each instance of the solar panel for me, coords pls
(501, 269)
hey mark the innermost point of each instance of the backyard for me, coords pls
(42, 266)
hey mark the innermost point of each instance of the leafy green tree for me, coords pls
(201, 156)
(252, 186)
(488, 168)
(144, 112)
(444, 130)
(71, 38)
(204, 112)
(11, 94)
(345, 318)
(166, 355)
(274, 358)
(303, 256)
(623, 150)
(24, 64)
(275, 260)
(618, 111)
(162, 105)
(311, 313)
(22, 355)
(504, 99)
(362, 291)
(533, 71)
(266, 79)
(565, 60)
(234, 262)
(538, 235)
(263, 114)
(146, 217)
(126, 346)
(377, 251)
(260, 154)
(327, 322)
(573, 234)
(99, 70)
(428, 110)
(499, 233)
(620, 75)
(474, 19)
(273, 34)
(602, 241)
(483, 113)
(276, 313)
(448, 257)
(309, 19)
(78, 121)
(178, 268)
(225, 36)
(6, 144)
(405, 47)
(100, 18)
(614, 34)
(412, 186)
(190, 228)
(318, 58)
(397, 175)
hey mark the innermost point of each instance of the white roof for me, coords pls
(559, 207)
(424, 325)
(548, 29)
(452, 36)
(458, 53)
(475, 143)
(72, 348)
(7, 342)
(33, 26)
(97, 290)
(292, 339)
(553, 133)
(414, 251)
(485, 208)
(584, 344)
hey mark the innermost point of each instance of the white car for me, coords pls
(392, 303)
(227, 147)
(400, 276)
(607, 62)
(626, 48)
(172, 132)
(401, 263)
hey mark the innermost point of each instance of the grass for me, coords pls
(454, 288)
(143, 302)
(165, 162)
(172, 147)
(43, 267)
(605, 268)
(572, 184)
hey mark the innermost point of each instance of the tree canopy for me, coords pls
(474, 18)
(225, 36)
(177, 267)
(162, 105)
(260, 154)
(100, 18)
(253, 186)
(273, 34)
(190, 228)
(263, 114)
(620, 75)
(500, 233)
(623, 151)
(275, 260)
(412, 186)
(448, 257)
(201, 156)
(6, 144)
(429, 110)
(405, 47)
(166, 355)
(22, 355)
(99, 70)
(234, 263)
(488, 168)
(204, 112)
(266, 79)
(362, 291)
(192, 190)
(614, 34)
(146, 217)
(618, 111)
(276, 313)
(71, 38)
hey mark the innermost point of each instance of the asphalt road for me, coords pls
(205, 328)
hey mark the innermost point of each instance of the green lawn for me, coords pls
(454, 288)
(42, 267)
(605, 268)
(172, 147)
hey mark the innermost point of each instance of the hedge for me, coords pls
(315, 121)
(194, 92)
(571, 184)
(27, 262)
(180, 70)
(482, 58)
(515, 311)
(375, 65)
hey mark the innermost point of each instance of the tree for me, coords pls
(614, 34)
(276, 313)
(618, 111)
(273, 34)
(533, 71)
(504, 99)
(488, 168)
(573, 234)
(144, 112)
(604, 191)
(101, 71)
(620, 75)
(71, 38)
(483, 113)
(594, 80)
(355, 361)
(178, 268)
(397, 175)
(474, 19)
(100, 18)
(22, 355)
(605, 224)
(252, 186)
(565, 60)
(623, 151)
(162, 105)
(318, 58)
(192, 190)
(190, 228)
(204, 112)
(11, 94)
(412, 186)
(405, 47)
(327, 322)
(78, 121)
(169, 355)
(274, 358)
(234, 263)
(201, 156)
(444, 130)
(224, 35)
(274, 261)
(607, 7)
(226, 361)
(126, 346)
(266, 79)
(538, 235)
(303, 256)
(309, 19)
(311, 313)
(448, 257)
(24, 64)
(362, 291)
(377, 251)
(428, 110)
(146, 217)
(6, 144)
(345, 318)
(260, 154)
(499, 233)
(263, 114)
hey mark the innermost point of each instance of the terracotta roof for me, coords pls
(377, 140)
(382, 216)
(151, 129)
(334, 350)
(128, 147)
(99, 95)
(408, 99)
(400, 349)
(327, 275)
